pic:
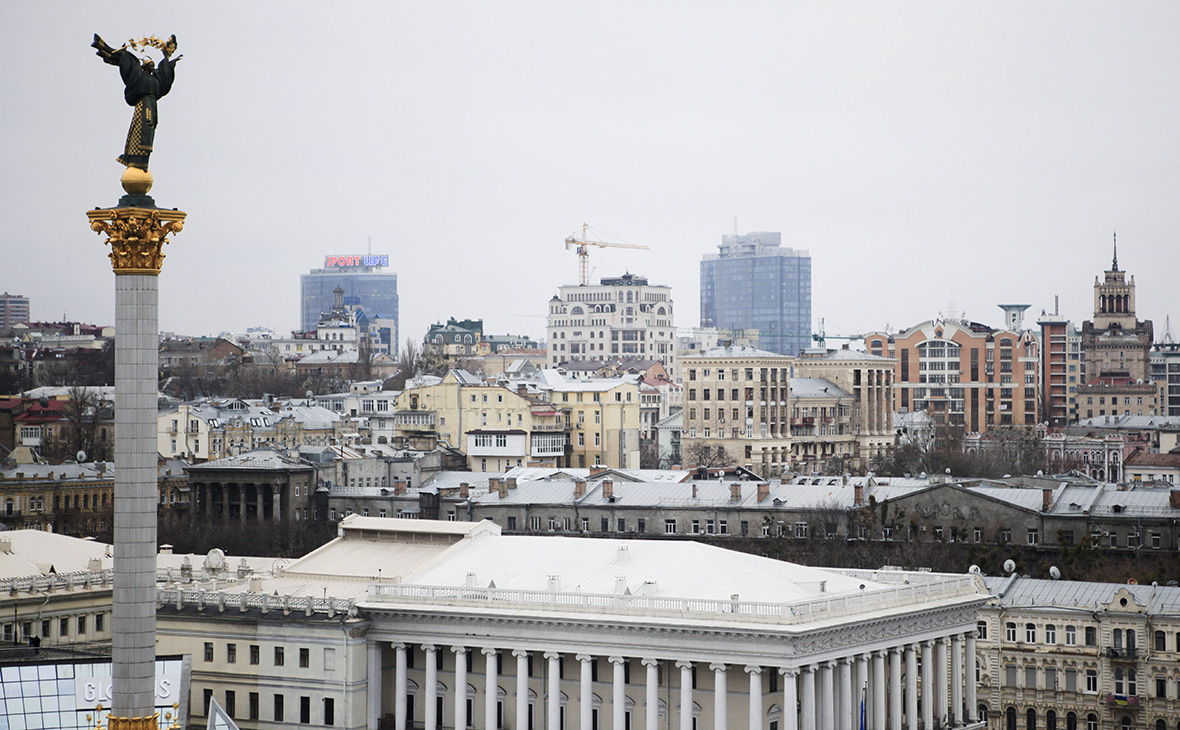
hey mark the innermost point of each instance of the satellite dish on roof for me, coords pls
(974, 570)
(1009, 566)
(1054, 572)
(80, 456)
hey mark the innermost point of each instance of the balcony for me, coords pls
(1128, 654)
(1129, 702)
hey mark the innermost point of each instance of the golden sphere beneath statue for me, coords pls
(136, 181)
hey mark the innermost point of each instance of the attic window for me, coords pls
(1116, 508)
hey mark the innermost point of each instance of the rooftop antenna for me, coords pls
(1056, 305)
(1169, 336)
(1115, 264)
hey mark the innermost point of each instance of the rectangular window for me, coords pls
(1071, 636)
(1030, 633)
(1091, 636)
(278, 708)
(231, 653)
(98, 622)
(279, 656)
(254, 653)
(231, 703)
(208, 651)
(1071, 680)
(1030, 677)
(330, 711)
(304, 658)
(81, 625)
(1091, 680)
(253, 706)
(641, 525)
(1161, 687)
(305, 710)
(1050, 634)
(669, 527)
(1034, 536)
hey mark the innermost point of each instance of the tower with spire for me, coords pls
(1115, 343)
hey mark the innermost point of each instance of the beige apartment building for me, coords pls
(497, 427)
(602, 416)
(851, 407)
(738, 398)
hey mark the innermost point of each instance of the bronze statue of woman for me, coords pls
(144, 83)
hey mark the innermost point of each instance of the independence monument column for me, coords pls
(136, 230)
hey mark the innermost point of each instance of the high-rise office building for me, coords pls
(754, 283)
(14, 309)
(366, 284)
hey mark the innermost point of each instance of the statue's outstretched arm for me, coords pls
(105, 52)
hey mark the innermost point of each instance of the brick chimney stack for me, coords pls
(608, 488)
(579, 488)
(464, 490)
(763, 491)
(735, 492)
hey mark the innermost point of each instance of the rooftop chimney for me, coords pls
(858, 494)
(494, 484)
(1174, 498)
(694, 490)
(623, 554)
(399, 486)
(735, 492)
(502, 489)
(608, 488)
(464, 490)
(763, 491)
(511, 482)
(579, 488)
(1046, 499)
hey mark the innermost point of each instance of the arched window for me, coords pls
(1091, 721)
(1010, 718)
(1030, 719)
(1161, 725)
(983, 713)
(1050, 720)
(1071, 721)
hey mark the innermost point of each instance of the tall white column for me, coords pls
(652, 699)
(807, 698)
(554, 700)
(430, 706)
(878, 690)
(895, 688)
(521, 717)
(911, 687)
(790, 699)
(940, 676)
(720, 708)
(847, 698)
(618, 700)
(133, 613)
(827, 693)
(585, 704)
(374, 690)
(957, 679)
(928, 693)
(491, 689)
(685, 694)
(971, 661)
(460, 686)
(399, 686)
(755, 698)
(861, 692)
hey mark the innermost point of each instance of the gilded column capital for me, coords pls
(137, 236)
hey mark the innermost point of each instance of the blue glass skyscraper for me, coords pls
(754, 283)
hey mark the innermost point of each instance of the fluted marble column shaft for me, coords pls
(554, 699)
(652, 698)
(807, 710)
(972, 701)
(755, 720)
(928, 693)
(522, 688)
(957, 679)
(618, 700)
(847, 701)
(790, 699)
(399, 686)
(491, 689)
(460, 685)
(827, 693)
(895, 689)
(685, 694)
(941, 670)
(585, 691)
(430, 708)
(720, 706)
(878, 690)
(911, 687)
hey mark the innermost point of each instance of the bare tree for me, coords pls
(701, 454)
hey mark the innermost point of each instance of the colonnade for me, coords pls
(912, 686)
(207, 494)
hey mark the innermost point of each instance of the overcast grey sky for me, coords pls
(922, 152)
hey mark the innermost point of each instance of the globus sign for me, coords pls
(366, 260)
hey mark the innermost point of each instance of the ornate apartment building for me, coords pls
(620, 317)
(1068, 655)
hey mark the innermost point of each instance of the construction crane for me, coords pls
(582, 247)
(821, 338)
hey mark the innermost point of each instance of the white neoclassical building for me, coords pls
(425, 624)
